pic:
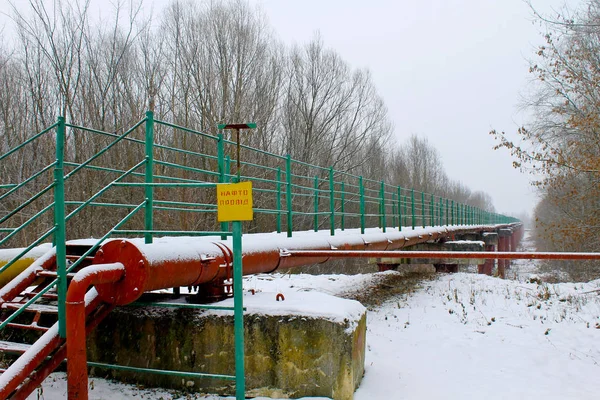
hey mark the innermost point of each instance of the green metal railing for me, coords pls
(100, 193)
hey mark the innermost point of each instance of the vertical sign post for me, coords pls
(234, 204)
(237, 128)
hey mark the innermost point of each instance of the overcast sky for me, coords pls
(449, 70)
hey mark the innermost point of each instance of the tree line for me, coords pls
(560, 145)
(197, 64)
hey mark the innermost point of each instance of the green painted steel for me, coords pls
(170, 233)
(149, 178)
(343, 207)
(14, 188)
(27, 249)
(278, 199)
(431, 212)
(331, 202)
(412, 207)
(453, 209)
(161, 371)
(316, 206)
(423, 209)
(238, 316)
(182, 305)
(60, 236)
(382, 199)
(26, 223)
(104, 189)
(362, 204)
(25, 204)
(288, 194)
(25, 143)
(394, 212)
(302, 181)
(105, 149)
(399, 208)
(221, 170)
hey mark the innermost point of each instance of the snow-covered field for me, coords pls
(460, 336)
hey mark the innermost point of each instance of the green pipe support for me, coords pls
(288, 194)
(331, 203)
(221, 169)
(60, 236)
(423, 209)
(431, 212)
(238, 316)
(278, 199)
(361, 188)
(342, 208)
(382, 194)
(316, 205)
(412, 208)
(399, 208)
(149, 178)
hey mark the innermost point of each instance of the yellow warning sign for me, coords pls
(234, 201)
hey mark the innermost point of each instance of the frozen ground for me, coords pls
(460, 336)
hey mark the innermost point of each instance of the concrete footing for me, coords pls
(311, 344)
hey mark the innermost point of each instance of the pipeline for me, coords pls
(170, 264)
(122, 270)
(77, 376)
(443, 254)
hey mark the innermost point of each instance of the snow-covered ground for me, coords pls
(460, 336)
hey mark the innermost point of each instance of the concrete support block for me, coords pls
(293, 349)
(504, 236)
(491, 242)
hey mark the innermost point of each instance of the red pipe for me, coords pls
(165, 265)
(46, 368)
(77, 376)
(443, 254)
(28, 361)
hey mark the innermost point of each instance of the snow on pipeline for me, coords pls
(460, 336)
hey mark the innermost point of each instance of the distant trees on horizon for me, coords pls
(200, 64)
(561, 143)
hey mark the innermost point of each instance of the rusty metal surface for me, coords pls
(77, 377)
(443, 254)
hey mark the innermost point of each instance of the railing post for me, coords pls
(59, 224)
(412, 208)
(361, 189)
(404, 205)
(278, 199)
(227, 177)
(447, 211)
(331, 202)
(149, 176)
(423, 209)
(453, 212)
(343, 222)
(238, 313)
(432, 210)
(399, 209)
(382, 194)
(394, 212)
(316, 205)
(288, 193)
(222, 172)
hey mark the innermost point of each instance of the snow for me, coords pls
(38, 251)
(459, 336)
(301, 304)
